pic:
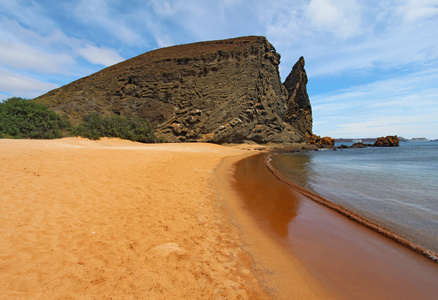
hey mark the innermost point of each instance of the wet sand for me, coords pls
(114, 219)
(350, 261)
(282, 274)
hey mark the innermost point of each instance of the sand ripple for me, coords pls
(111, 218)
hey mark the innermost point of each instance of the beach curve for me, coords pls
(431, 255)
(114, 218)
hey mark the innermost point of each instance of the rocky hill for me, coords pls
(216, 91)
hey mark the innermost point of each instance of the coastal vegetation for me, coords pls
(94, 126)
(22, 118)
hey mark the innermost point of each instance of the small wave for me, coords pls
(351, 215)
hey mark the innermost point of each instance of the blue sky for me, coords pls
(372, 64)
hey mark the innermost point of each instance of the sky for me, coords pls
(372, 65)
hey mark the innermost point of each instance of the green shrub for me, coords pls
(21, 118)
(94, 126)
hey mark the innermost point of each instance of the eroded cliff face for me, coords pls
(217, 91)
(299, 111)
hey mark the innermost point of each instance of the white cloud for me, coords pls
(418, 10)
(98, 16)
(163, 41)
(407, 106)
(24, 57)
(53, 53)
(283, 23)
(165, 8)
(23, 86)
(185, 21)
(160, 38)
(100, 56)
(375, 126)
(347, 36)
(341, 17)
(30, 13)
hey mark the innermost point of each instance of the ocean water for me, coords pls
(395, 187)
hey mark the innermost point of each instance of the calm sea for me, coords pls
(396, 187)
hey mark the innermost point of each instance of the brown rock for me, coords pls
(388, 141)
(359, 145)
(327, 141)
(217, 91)
(320, 141)
(299, 111)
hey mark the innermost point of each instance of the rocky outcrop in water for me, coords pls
(389, 141)
(320, 141)
(217, 91)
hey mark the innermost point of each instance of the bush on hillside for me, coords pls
(94, 126)
(21, 118)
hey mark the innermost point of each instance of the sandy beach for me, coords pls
(114, 219)
(117, 219)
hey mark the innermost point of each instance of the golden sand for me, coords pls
(118, 219)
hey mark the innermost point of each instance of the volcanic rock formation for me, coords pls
(299, 111)
(217, 91)
(320, 141)
(388, 141)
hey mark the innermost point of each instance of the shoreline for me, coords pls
(281, 274)
(429, 254)
(114, 218)
(347, 259)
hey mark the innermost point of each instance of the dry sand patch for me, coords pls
(113, 218)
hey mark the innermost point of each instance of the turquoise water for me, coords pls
(396, 187)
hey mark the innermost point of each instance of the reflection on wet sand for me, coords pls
(266, 198)
(297, 169)
(350, 260)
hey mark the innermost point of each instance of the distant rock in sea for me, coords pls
(320, 141)
(389, 141)
(226, 91)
